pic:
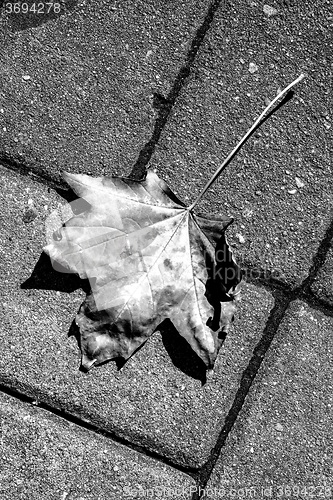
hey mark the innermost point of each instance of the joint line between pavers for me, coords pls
(277, 314)
(41, 176)
(89, 426)
(305, 295)
(318, 259)
(147, 151)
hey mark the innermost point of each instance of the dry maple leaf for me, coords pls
(147, 258)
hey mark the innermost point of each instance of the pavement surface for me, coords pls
(281, 445)
(117, 87)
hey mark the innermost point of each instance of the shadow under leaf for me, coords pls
(45, 277)
(181, 353)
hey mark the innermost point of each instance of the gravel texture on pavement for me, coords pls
(45, 457)
(109, 87)
(81, 92)
(282, 440)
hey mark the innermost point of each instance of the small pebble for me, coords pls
(292, 191)
(269, 11)
(29, 215)
(279, 427)
(267, 101)
(253, 67)
(240, 237)
(287, 172)
(299, 183)
(258, 193)
(26, 77)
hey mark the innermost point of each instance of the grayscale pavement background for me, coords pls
(114, 87)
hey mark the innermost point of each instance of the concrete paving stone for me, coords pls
(158, 399)
(323, 284)
(45, 456)
(77, 89)
(279, 188)
(281, 443)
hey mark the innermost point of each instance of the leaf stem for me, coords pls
(241, 142)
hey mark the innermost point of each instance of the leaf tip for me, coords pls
(86, 363)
